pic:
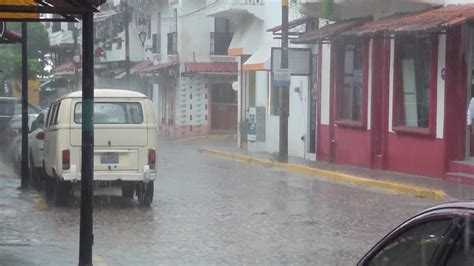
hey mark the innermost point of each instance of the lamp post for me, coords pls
(76, 56)
(126, 16)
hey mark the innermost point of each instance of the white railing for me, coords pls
(236, 2)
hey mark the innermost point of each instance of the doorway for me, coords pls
(224, 107)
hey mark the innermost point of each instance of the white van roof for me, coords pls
(108, 93)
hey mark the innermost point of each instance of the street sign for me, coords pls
(281, 77)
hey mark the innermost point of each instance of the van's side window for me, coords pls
(51, 114)
(55, 121)
(48, 117)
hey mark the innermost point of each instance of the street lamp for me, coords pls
(142, 36)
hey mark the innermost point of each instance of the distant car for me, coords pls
(7, 110)
(441, 235)
(36, 145)
(9, 107)
(15, 131)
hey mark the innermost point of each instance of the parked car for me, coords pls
(441, 235)
(7, 110)
(125, 144)
(10, 107)
(15, 132)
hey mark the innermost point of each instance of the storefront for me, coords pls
(393, 92)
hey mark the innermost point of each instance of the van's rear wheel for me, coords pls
(128, 191)
(145, 193)
(62, 192)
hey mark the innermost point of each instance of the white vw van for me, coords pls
(124, 144)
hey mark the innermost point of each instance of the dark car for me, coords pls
(7, 110)
(10, 106)
(441, 235)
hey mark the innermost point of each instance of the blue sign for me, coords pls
(281, 77)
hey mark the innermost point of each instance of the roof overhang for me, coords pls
(261, 59)
(41, 10)
(327, 32)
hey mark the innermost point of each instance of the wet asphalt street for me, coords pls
(207, 211)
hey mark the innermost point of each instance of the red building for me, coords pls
(393, 92)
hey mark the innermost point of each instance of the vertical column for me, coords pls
(87, 157)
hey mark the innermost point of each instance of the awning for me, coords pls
(327, 32)
(155, 69)
(104, 15)
(211, 67)
(294, 23)
(435, 20)
(66, 68)
(140, 66)
(261, 59)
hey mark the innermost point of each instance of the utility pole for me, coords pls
(284, 90)
(86, 239)
(24, 106)
(75, 35)
(126, 17)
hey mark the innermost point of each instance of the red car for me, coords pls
(441, 235)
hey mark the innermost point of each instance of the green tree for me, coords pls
(327, 9)
(10, 54)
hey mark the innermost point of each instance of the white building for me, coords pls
(252, 46)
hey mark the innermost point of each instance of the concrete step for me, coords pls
(462, 167)
(460, 177)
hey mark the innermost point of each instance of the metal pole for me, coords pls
(24, 106)
(284, 90)
(87, 171)
(126, 15)
(75, 33)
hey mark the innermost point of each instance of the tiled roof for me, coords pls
(211, 67)
(428, 21)
(153, 69)
(66, 67)
(327, 32)
(140, 66)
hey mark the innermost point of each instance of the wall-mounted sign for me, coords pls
(281, 77)
(252, 126)
(299, 60)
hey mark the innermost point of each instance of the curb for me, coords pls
(332, 175)
(206, 137)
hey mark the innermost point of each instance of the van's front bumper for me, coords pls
(74, 175)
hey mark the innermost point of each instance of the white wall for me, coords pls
(325, 83)
(297, 121)
(440, 87)
(194, 32)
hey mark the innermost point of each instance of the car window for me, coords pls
(415, 246)
(462, 253)
(113, 113)
(55, 120)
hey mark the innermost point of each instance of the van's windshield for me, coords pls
(113, 113)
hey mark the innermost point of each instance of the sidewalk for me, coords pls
(453, 191)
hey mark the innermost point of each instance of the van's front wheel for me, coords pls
(145, 193)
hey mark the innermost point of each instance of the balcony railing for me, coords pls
(172, 43)
(238, 2)
(220, 42)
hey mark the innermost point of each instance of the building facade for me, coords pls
(394, 87)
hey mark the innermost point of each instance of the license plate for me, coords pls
(109, 158)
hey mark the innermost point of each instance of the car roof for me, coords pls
(108, 93)
(451, 205)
